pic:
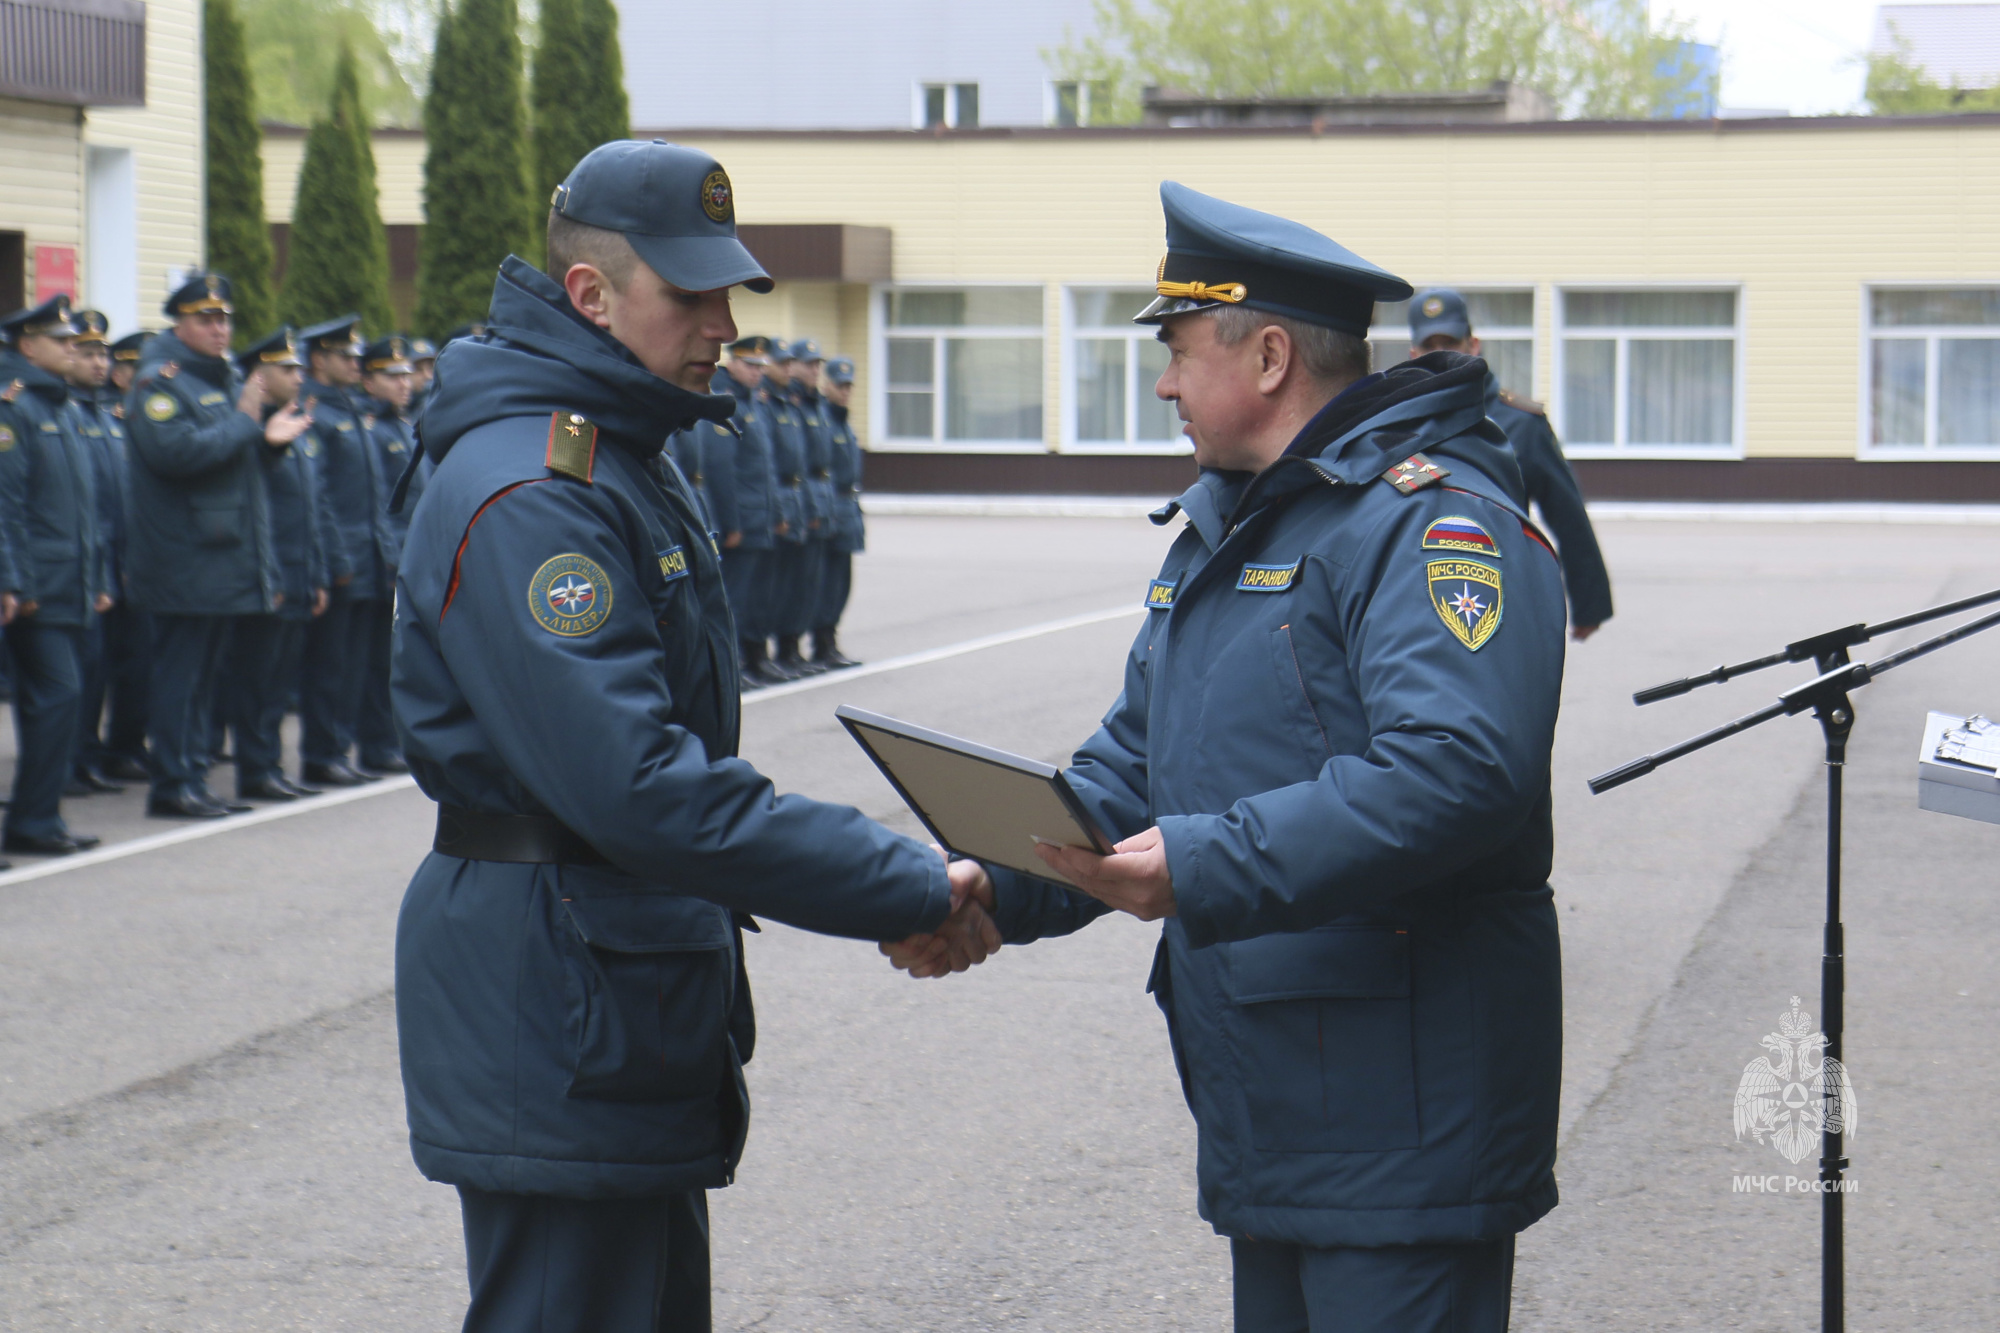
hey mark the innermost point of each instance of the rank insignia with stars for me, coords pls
(1414, 473)
(1466, 596)
(572, 446)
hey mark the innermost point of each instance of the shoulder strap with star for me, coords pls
(1414, 473)
(12, 391)
(572, 446)
(1523, 403)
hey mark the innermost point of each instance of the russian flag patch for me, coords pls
(1460, 534)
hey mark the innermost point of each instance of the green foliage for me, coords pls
(578, 91)
(477, 205)
(294, 46)
(1899, 86)
(1598, 61)
(239, 244)
(339, 254)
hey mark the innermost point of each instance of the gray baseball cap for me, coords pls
(674, 204)
(1439, 310)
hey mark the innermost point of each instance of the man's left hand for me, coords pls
(1134, 878)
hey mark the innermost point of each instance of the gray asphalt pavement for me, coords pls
(201, 1124)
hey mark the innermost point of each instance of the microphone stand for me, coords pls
(1827, 696)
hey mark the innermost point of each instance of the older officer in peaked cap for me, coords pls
(1440, 321)
(1329, 770)
(571, 998)
(387, 388)
(101, 422)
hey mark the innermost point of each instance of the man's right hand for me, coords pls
(9, 606)
(285, 425)
(251, 401)
(966, 938)
(26, 608)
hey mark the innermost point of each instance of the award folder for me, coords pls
(980, 803)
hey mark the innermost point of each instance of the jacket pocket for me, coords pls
(1324, 1040)
(1295, 697)
(217, 522)
(651, 983)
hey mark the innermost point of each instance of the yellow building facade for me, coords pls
(1787, 307)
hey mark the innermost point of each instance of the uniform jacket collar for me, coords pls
(166, 347)
(539, 356)
(14, 366)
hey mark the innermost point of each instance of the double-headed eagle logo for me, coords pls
(1796, 1093)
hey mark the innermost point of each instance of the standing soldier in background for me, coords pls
(814, 427)
(264, 650)
(102, 423)
(128, 632)
(199, 542)
(423, 370)
(789, 559)
(125, 355)
(387, 385)
(1440, 321)
(847, 533)
(746, 562)
(351, 488)
(49, 509)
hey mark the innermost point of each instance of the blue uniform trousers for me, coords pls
(543, 1264)
(93, 669)
(128, 670)
(48, 689)
(745, 578)
(835, 583)
(375, 725)
(263, 660)
(336, 655)
(1283, 1288)
(187, 659)
(792, 584)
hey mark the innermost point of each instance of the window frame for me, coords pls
(1072, 397)
(1622, 335)
(1930, 451)
(951, 88)
(879, 333)
(1530, 332)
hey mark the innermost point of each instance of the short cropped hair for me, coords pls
(1330, 356)
(572, 242)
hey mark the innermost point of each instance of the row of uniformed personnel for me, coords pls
(201, 542)
(780, 485)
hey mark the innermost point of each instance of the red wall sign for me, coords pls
(55, 271)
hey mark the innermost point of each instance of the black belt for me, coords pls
(475, 835)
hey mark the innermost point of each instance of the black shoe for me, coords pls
(126, 767)
(769, 672)
(335, 774)
(270, 789)
(826, 651)
(296, 788)
(30, 845)
(77, 788)
(88, 777)
(183, 806)
(789, 659)
(85, 841)
(227, 807)
(384, 767)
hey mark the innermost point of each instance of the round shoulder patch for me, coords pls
(720, 429)
(309, 444)
(570, 595)
(161, 406)
(6, 438)
(717, 200)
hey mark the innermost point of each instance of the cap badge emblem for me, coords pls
(214, 285)
(716, 198)
(1433, 307)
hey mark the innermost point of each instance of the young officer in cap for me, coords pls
(787, 573)
(813, 428)
(1440, 321)
(49, 507)
(846, 531)
(387, 384)
(124, 363)
(571, 998)
(199, 548)
(102, 425)
(1330, 771)
(423, 369)
(754, 479)
(128, 632)
(352, 487)
(265, 650)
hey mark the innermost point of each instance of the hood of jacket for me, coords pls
(539, 356)
(51, 388)
(1434, 405)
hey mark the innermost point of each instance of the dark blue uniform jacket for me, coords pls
(352, 488)
(564, 648)
(198, 525)
(705, 454)
(788, 463)
(818, 479)
(1362, 984)
(849, 531)
(1552, 486)
(301, 528)
(48, 500)
(755, 475)
(395, 442)
(102, 413)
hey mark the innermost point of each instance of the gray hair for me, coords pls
(1330, 356)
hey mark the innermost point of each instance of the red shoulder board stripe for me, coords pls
(1414, 473)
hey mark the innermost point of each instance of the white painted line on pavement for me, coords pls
(1698, 511)
(206, 828)
(271, 813)
(940, 654)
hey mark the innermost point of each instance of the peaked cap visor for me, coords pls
(701, 263)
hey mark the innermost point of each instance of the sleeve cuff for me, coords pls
(1192, 905)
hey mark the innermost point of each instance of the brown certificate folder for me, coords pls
(980, 803)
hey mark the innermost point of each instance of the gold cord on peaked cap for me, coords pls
(1231, 292)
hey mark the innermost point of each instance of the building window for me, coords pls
(1934, 368)
(1503, 319)
(964, 365)
(1648, 371)
(1113, 366)
(1074, 102)
(950, 105)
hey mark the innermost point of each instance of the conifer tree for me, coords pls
(578, 93)
(239, 243)
(476, 198)
(339, 260)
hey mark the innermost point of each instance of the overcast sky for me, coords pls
(1787, 55)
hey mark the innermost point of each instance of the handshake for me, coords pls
(1135, 878)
